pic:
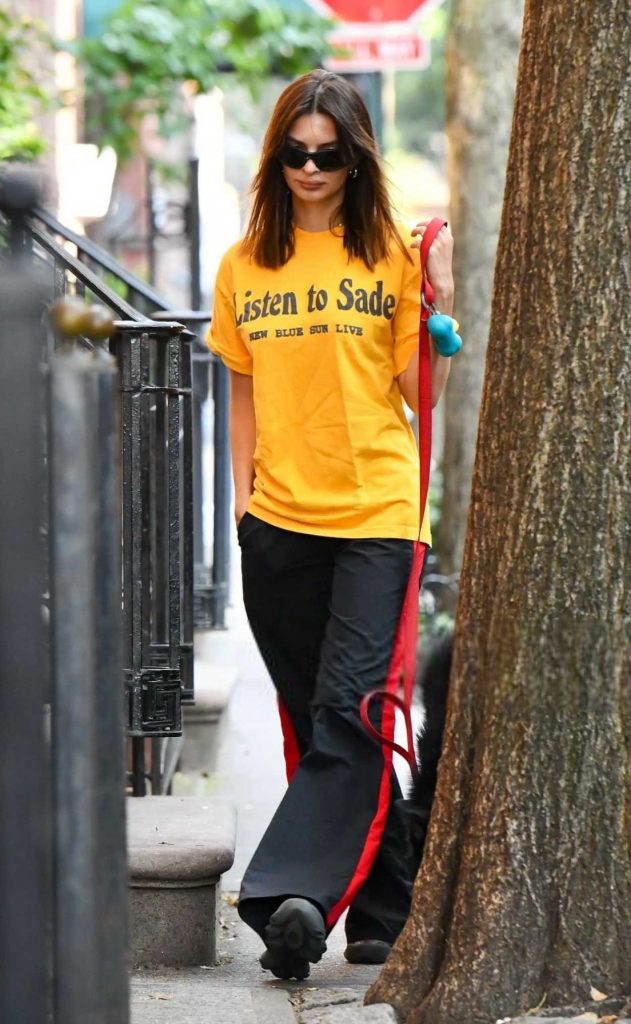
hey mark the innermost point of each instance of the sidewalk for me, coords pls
(250, 775)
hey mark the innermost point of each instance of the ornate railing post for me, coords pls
(155, 380)
(209, 376)
(222, 491)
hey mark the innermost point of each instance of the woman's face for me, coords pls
(313, 132)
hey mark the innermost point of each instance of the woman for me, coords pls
(316, 315)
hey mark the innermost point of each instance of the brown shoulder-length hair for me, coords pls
(369, 227)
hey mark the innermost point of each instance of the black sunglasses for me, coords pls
(324, 159)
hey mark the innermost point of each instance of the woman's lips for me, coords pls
(312, 185)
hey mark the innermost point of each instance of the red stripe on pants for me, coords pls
(290, 743)
(404, 636)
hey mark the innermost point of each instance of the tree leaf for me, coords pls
(596, 995)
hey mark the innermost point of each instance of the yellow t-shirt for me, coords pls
(324, 339)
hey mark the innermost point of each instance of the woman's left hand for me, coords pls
(439, 259)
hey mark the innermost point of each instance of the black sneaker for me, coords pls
(295, 938)
(285, 967)
(367, 951)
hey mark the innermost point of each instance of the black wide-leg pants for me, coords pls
(324, 613)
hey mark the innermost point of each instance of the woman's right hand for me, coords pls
(439, 263)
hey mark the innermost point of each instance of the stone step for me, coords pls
(203, 719)
(178, 848)
(216, 657)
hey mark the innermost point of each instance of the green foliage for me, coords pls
(20, 93)
(153, 53)
(115, 284)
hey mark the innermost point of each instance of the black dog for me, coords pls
(433, 676)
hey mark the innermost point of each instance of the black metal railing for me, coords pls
(155, 448)
(155, 385)
(63, 873)
(211, 584)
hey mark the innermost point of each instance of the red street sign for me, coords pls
(378, 11)
(378, 48)
(377, 34)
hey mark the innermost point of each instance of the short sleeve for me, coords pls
(223, 336)
(405, 326)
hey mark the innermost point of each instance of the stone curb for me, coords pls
(272, 1006)
(585, 1017)
(350, 1013)
(341, 1006)
(179, 840)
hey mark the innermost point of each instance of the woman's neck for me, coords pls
(316, 216)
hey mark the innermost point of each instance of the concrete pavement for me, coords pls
(250, 774)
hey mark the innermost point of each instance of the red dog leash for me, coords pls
(399, 684)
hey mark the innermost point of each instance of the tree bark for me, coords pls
(482, 53)
(524, 893)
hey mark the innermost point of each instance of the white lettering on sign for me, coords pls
(378, 48)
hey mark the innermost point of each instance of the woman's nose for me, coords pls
(310, 167)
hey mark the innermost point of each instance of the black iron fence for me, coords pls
(210, 383)
(155, 394)
(155, 387)
(154, 382)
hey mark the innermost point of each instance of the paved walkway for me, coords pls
(250, 774)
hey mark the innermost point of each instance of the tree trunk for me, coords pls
(482, 52)
(524, 893)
